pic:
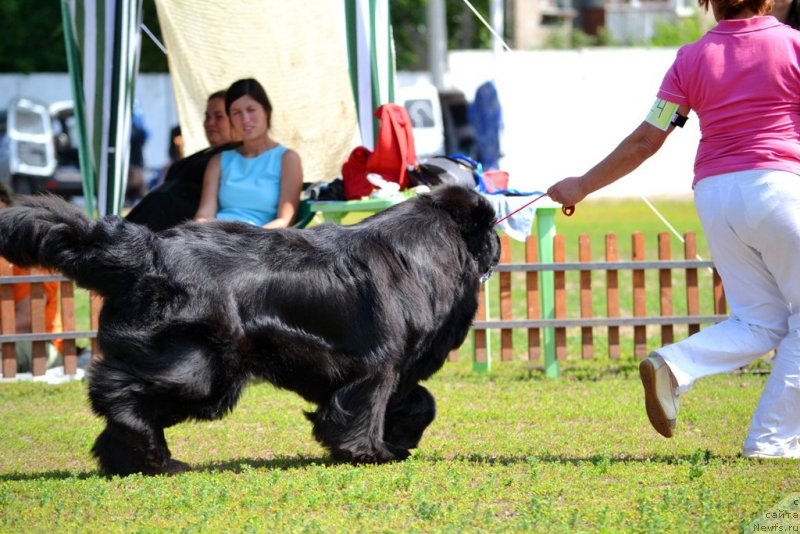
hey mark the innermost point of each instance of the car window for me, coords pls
(72, 131)
(28, 121)
(421, 112)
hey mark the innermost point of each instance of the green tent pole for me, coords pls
(76, 77)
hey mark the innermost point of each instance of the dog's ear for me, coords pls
(475, 218)
(471, 212)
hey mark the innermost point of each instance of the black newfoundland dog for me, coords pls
(351, 318)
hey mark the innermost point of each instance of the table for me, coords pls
(335, 210)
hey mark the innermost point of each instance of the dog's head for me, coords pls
(475, 218)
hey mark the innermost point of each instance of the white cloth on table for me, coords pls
(519, 225)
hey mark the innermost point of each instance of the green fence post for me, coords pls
(545, 231)
(484, 367)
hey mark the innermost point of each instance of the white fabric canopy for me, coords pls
(297, 50)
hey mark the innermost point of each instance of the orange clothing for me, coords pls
(52, 317)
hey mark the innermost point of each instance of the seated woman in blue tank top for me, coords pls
(259, 182)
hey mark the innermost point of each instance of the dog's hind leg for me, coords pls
(133, 440)
(140, 396)
(123, 450)
(407, 417)
(350, 424)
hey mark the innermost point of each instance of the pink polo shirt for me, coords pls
(742, 79)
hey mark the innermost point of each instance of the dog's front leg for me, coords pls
(351, 423)
(407, 416)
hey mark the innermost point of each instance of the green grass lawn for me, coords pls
(623, 217)
(509, 453)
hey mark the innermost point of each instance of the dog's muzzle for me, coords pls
(485, 276)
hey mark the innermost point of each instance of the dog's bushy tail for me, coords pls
(103, 255)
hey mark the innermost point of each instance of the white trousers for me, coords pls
(752, 222)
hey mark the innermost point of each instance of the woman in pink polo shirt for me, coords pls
(742, 79)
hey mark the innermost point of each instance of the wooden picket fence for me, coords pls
(595, 276)
(544, 287)
(9, 337)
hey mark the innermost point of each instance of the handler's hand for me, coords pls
(568, 191)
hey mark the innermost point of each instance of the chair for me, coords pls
(304, 215)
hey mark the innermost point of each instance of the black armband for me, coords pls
(679, 120)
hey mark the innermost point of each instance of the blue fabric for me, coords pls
(517, 226)
(250, 188)
(481, 187)
(486, 118)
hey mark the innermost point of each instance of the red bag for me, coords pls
(354, 174)
(394, 154)
(394, 149)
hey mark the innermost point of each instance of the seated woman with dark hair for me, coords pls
(260, 181)
(176, 199)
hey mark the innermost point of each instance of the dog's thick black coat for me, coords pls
(351, 318)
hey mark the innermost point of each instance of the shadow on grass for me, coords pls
(243, 465)
(49, 475)
(698, 457)
(238, 465)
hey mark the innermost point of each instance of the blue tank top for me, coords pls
(250, 188)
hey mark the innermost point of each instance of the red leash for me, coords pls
(566, 210)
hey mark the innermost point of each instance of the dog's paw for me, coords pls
(399, 453)
(168, 467)
(176, 467)
(402, 441)
(378, 455)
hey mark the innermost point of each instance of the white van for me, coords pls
(422, 104)
(439, 117)
(38, 148)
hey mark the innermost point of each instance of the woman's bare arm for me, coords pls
(291, 187)
(634, 150)
(207, 209)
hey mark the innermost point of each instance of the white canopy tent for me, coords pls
(298, 51)
(103, 43)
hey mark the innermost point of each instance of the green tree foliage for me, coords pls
(677, 33)
(464, 29)
(152, 59)
(410, 32)
(409, 23)
(33, 38)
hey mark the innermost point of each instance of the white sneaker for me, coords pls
(660, 400)
(791, 455)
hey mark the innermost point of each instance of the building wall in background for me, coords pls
(565, 110)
